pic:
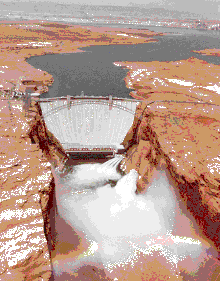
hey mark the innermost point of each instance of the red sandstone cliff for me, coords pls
(178, 125)
(26, 191)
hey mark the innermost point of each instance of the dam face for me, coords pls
(88, 121)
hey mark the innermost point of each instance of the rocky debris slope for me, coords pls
(26, 188)
(181, 129)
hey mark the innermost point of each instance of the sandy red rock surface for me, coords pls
(192, 80)
(208, 52)
(26, 184)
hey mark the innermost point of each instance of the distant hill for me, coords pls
(179, 14)
(131, 11)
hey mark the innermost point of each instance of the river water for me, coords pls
(94, 73)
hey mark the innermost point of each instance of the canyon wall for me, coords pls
(179, 121)
(178, 124)
(27, 187)
(189, 149)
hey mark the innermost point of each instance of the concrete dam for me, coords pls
(88, 123)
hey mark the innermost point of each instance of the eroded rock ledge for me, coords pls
(26, 184)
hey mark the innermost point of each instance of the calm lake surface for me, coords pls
(94, 73)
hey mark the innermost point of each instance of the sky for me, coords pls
(196, 6)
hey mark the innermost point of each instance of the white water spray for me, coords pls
(120, 225)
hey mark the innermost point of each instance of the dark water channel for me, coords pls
(94, 73)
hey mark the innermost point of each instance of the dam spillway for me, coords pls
(88, 122)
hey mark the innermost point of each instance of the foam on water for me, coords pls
(120, 225)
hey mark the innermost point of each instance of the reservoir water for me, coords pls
(93, 72)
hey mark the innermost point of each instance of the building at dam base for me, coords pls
(88, 123)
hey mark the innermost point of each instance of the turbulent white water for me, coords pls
(121, 226)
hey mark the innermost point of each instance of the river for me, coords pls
(93, 72)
